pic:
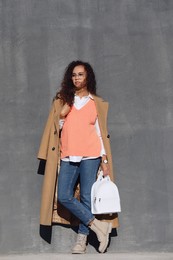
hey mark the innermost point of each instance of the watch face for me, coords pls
(105, 161)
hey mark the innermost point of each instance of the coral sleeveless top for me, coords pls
(79, 136)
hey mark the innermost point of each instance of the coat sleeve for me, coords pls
(41, 167)
(42, 153)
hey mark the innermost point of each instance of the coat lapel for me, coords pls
(58, 107)
(102, 111)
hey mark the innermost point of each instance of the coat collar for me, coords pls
(102, 111)
(101, 105)
(57, 109)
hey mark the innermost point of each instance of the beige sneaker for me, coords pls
(80, 246)
(102, 230)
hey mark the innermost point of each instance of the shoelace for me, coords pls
(80, 239)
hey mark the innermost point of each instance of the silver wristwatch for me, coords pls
(105, 161)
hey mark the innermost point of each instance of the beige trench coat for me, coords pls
(49, 152)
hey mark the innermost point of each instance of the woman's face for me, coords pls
(79, 76)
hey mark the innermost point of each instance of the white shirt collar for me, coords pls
(89, 96)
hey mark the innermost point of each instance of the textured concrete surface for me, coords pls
(130, 45)
(119, 256)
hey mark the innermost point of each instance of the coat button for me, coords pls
(55, 132)
(108, 136)
(53, 148)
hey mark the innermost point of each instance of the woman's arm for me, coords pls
(65, 110)
(104, 161)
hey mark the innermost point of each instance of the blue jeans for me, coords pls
(68, 175)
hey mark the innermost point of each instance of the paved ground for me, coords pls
(118, 256)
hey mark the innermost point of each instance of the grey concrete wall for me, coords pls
(130, 45)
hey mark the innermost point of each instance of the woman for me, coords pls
(80, 115)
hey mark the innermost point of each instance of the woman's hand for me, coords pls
(105, 169)
(65, 110)
(105, 166)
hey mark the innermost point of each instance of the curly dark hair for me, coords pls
(67, 91)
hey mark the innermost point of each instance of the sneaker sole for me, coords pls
(77, 252)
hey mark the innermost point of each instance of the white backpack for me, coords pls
(104, 196)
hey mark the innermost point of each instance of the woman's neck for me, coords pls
(82, 92)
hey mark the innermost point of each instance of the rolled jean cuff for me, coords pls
(90, 221)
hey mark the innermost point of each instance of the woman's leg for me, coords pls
(88, 172)
(66, 181)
